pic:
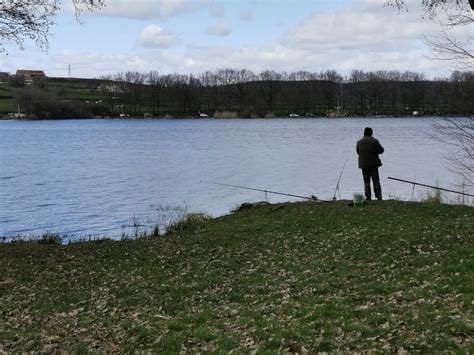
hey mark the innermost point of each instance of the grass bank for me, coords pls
(293, 277)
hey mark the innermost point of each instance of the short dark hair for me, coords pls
(368, 131)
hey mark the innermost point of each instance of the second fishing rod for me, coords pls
(311, 198)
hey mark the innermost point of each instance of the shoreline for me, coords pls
(229, 118)
(160, 231)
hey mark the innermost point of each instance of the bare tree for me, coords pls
(457, 132)
(269, 85)
(153, 80)
(432, 6)
(32, 19)
(449, 14)
(446, 47)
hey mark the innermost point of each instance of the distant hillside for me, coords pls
(226, 94)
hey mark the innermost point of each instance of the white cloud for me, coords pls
(368, 26)
(92, 64)
(154, 36)
(368, 36)
(146, 9)
(276, 57)
(365, 36)
(246, 15)
(6, 64)
(221, 28)
(282, 58)
(217, 11)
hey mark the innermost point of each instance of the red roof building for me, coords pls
(30, 74)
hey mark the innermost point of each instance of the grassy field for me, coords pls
(67, 90)
(7, 103)
(302, 277)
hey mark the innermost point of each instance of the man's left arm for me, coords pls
(380, 149)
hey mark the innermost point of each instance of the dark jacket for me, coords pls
(369, 149)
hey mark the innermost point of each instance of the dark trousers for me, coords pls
(374, 175)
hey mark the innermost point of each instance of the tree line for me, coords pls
(243, 93)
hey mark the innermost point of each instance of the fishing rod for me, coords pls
(430, 186)
(311, 198)
(338, 181)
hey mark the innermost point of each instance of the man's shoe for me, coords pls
(368, 199)
(379, 198)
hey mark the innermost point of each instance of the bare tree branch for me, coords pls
(432, 6)
(447, 47)
(32, 19)
(457, 132)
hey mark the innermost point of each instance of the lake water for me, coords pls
(96, 177)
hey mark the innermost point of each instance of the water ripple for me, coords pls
(101, 174)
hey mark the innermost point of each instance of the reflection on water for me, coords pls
(95, 176)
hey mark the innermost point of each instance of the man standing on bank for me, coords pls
(368, 148)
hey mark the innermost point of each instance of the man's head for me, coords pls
(368, 131)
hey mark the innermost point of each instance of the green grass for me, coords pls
(69, 91)
(7, 103)
(287, 278)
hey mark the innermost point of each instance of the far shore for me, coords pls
(170, 117)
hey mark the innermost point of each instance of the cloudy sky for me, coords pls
(192, 36)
